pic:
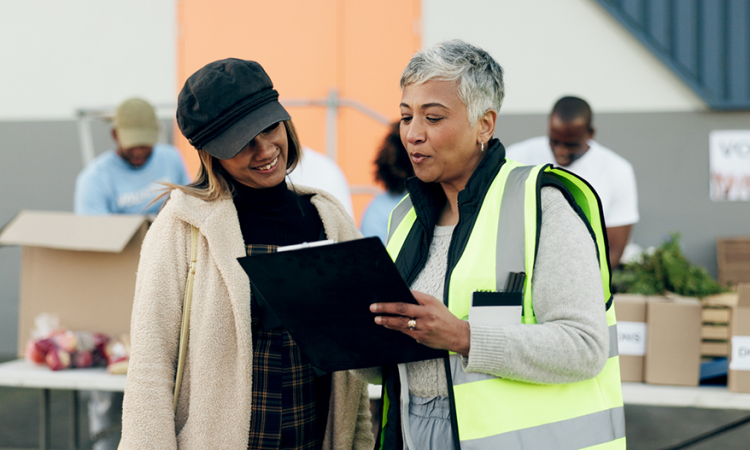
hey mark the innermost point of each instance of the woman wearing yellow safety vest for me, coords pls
(509, 266)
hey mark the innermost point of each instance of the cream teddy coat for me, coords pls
(214, 403)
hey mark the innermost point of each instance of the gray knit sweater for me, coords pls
(570, 341)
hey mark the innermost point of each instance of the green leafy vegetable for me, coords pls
(665, 270)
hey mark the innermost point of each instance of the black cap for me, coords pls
(225, 104)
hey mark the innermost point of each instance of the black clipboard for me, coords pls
(322, 297)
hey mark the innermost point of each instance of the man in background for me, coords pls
(570, 145)
(126, 180)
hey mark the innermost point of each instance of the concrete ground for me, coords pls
(648, 428)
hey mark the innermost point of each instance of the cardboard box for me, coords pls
(724, 300)
(738, 379)
(673, 347)
(715, 332)
(631, 335)
(733, 260)
(715, 315)
(715, 348)
(80, 268)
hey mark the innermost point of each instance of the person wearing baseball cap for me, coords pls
(135, 130)
(245, 384)
(126, 180)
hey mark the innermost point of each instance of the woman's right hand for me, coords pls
(435, 326)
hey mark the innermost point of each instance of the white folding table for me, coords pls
(20, 373)
(713, 397)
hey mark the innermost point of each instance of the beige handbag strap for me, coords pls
(185, 316)
(186, 313)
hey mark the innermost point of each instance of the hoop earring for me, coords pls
(481, 149)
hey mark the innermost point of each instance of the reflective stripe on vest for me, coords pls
(398, 215)
(575, 415)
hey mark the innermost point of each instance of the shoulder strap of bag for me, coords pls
(185, 317)
(186, 313)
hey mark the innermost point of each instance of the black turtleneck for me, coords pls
(276, 216)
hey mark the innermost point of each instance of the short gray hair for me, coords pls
(479, 77)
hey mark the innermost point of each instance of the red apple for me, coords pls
(66, 340)
(45, 345)
(33, 353)
(83, 359)
(58, 359)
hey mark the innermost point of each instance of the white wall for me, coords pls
(57, 55)
(551, 48)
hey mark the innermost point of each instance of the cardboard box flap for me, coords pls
(677, 298)
(630, 307)
(743, 295)
(67, 231)
(629, 298)
(726, 299)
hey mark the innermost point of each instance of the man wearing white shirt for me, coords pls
(570, 145)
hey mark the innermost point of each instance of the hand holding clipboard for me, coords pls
(322, 295)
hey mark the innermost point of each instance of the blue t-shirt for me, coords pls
(110, 185)
(375, 219)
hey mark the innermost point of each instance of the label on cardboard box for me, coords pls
(631, 338)
(740, 353)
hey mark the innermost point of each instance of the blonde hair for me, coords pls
(211, 183)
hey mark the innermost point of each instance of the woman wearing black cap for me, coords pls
(245, 384)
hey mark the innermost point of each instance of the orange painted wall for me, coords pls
(309, 48)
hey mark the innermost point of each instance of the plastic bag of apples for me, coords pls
(60, 349)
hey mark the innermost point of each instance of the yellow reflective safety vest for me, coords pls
(495, 413)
